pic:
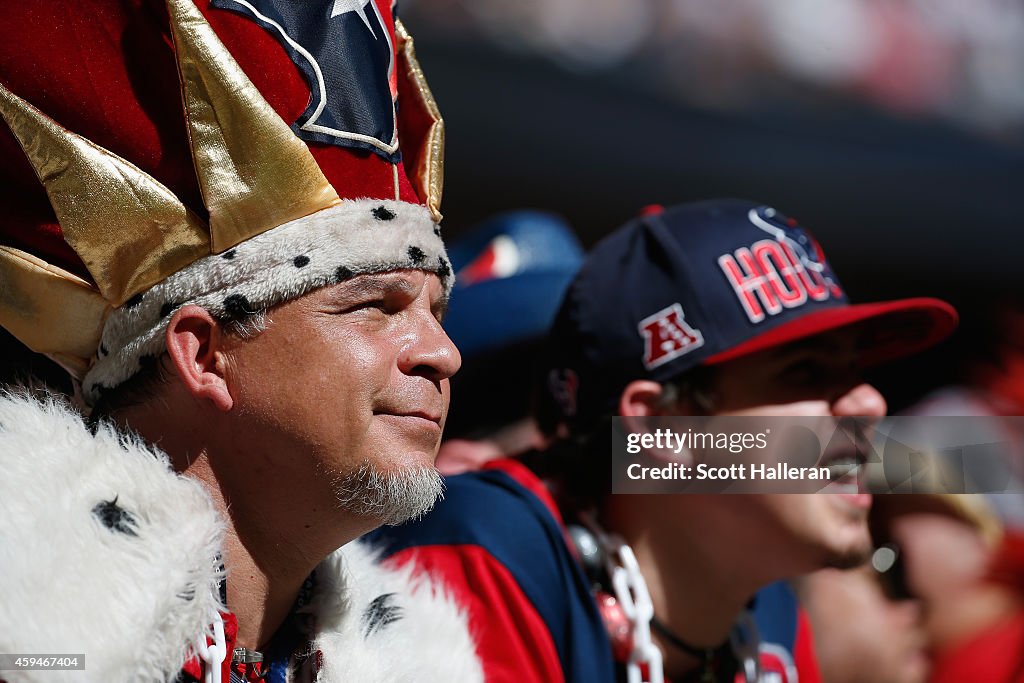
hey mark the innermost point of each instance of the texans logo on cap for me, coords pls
(344, 49)
(781, 272)
(786, 229)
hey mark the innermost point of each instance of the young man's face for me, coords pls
(347, 392)
(799, 532)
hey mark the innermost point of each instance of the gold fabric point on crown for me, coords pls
(50, 310)
(428, 176)
(129, 230)
(254, 172)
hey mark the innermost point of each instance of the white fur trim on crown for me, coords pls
(353, 237)
(103, 549)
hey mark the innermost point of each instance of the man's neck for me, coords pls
(694, 595)
(274, 536)
(274, 540)
(261, 588)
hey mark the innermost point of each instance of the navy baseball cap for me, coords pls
(702, 284)
(510, 274)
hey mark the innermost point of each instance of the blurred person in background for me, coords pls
(861, 635)
(967, 569)
(881, 622)
(991, 386)
(669, 315)
(511, 272)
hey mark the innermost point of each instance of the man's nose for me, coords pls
(432, 354)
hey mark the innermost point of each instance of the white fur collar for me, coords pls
(104, 551)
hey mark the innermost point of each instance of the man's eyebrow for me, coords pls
(376, 284)
(370, 285)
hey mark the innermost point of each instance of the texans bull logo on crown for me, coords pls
(344, 50)
(781, 272)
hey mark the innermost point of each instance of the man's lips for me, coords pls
(417, 414)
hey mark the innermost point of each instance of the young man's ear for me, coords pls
(643, 410)
(194, 340)
(640, 398)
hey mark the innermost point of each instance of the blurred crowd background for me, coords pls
(893, 129)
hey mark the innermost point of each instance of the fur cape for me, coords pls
(104, 551)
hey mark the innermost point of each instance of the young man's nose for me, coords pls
(861, 400)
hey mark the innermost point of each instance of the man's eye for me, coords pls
(376, 304)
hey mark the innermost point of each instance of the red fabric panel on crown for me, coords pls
(106, 71)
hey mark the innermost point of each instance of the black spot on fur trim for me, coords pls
(437, 230)
(301, 261)
(103, 350)
(444, 269)
(168, 308)
(383, 213)
(115, 517)
(134, 301)
(237, 306)
(416, 255)
(343, 273)
(228, 255)
(380, 613)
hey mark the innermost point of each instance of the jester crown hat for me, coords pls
(232, 154)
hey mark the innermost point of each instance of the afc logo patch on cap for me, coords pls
(667, 335)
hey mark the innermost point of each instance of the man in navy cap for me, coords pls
(713, 308)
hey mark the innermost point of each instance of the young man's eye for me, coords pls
(804, 372)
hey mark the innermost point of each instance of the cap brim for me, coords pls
(887, 331)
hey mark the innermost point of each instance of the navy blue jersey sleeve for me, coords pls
(492, 511)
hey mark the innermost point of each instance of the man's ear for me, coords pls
(194, 340)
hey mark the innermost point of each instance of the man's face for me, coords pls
(344, 396)
(799, 531)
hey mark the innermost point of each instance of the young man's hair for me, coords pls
(578, 463)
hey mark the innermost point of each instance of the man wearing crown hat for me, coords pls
(221, 217)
